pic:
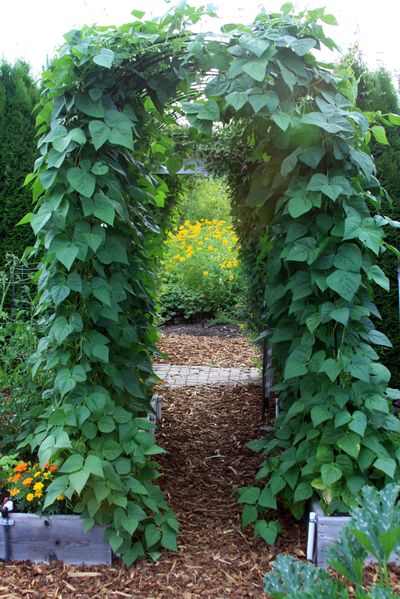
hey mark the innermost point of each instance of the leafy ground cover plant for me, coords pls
(200, 270)
(374, 530)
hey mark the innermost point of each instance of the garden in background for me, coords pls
(288, 240)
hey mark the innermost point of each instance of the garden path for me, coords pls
(192, 376)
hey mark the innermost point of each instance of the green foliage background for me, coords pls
(18, 96)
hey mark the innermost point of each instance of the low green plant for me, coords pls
(374, 530)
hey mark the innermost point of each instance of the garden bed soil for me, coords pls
(206, 350)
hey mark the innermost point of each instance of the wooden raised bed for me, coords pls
(323, 530)
(44, 539)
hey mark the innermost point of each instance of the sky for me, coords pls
(34, 29)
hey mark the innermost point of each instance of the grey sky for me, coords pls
(33, 29)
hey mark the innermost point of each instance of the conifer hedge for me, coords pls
(18, 95)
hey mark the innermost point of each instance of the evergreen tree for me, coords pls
(18, 95)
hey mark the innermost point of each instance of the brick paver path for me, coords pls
(191, 376)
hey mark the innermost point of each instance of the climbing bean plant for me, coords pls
(307, 179)
(305, 174)
(99, 122)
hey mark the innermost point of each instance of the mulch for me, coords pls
(225, 352)
(204, 431)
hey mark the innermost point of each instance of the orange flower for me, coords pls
(21, 467)
(14, 491)
(27, 481)
(53, 468)
(16, 478)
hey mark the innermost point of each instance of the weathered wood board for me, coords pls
(44, 539)
(327, 529)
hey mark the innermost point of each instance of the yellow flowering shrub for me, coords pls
(200, 269)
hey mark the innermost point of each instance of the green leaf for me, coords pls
(106, 424)
(332, 368)
(302, 492)
(344, 283)
(237, 99)
(296, 362)
(267, 499)
(350, 443)
(78, 480)
(379, 338)
(72, 464)
(380, 134)
(64, 381)
(66, 253)
(358, 423)
(320, 414)
(249, 515)
(298, 205)
(348, 257)
(168, 539)
(330, 474)
(209, 111)
(88, 106)
(152, 535)
(249, 495)
(303, 45)
(94, 465)
(255, 45)
(282, 119)
(99, 132)
(83, 182)
(269, 100)
(386, 465)
(256, 69)
(267, 530)
(104, 58)
(341, 315)
(59, 293)
(103, 208)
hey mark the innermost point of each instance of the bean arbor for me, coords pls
(306, 178)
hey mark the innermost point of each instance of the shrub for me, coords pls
(203, 198)
(201, 273)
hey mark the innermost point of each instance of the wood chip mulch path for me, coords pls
(204, 431)
(208, 351)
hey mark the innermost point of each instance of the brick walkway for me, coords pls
(191, 376)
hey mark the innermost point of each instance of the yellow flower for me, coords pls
(38, 473)
(231, 277)
(27, 481)
(60, 497)
(38, 495)
(181, 259)
(38, 487)
(46, 474)
(210, 248)
(30, 497)
(15, 491)
(225, 242)
(205, 273)
(229, 265)
(235, 263)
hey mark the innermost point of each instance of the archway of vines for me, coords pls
(303, 181)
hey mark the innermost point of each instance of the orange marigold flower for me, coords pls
(27, 481)
(30, 497)
(21, 467)
(15, 491)
(53, 468)
(16, 478)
